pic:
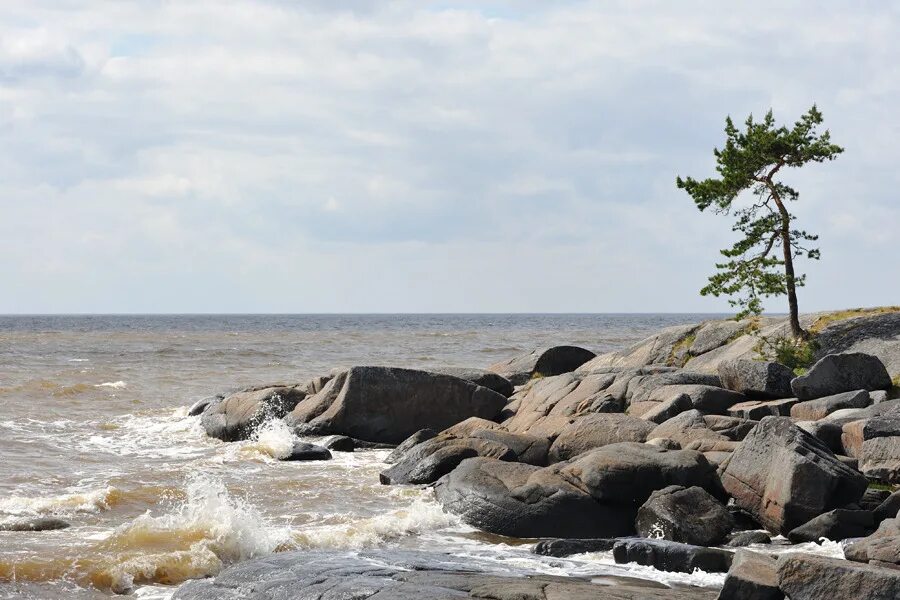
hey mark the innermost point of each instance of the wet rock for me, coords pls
(745, 538)
(387, 405)
(813, 410)
(306, 451)
(500, 497)
(752, 576)
(757, 409)
(838, 373)
(543, 363)
(34, 524)
(811, 577)
(340, 443)
(432, 459)
(595, 431)
(406, 575)
(671, 556)
(689, 515)
(561, 548)
(238, 415)
(835, 525)
(201, 405)
(784, 477)
(482, 377)
(756, 379)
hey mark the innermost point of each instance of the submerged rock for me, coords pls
(306, 451)
(34, 524)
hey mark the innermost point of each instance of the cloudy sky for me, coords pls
(414, 156)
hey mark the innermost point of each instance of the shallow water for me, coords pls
(93, 430)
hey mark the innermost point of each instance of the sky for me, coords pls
(417, 156)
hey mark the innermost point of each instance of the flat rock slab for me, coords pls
(811, 577)
(671, 556)
(404, 575)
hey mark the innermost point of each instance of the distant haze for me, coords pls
(276, 156)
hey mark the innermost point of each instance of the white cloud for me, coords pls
(522, 154)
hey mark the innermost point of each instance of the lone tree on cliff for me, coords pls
(750, 160)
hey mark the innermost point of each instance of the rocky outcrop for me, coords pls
(752, 576)
(784, 477)
(238, 415)
(756, 379)
(688, 515)
(396, 574)
(387, 405)
(838, 373)
(811, 577)
(542, 363)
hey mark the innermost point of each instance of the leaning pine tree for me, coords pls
(761, 263)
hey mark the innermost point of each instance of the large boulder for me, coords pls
(784, 477)
(756, 379)
(813, 410)
(689, 515)
(431, 460)
(598, 430)
(752, 576)
(812, 577)
(836, 373)
(542, 363)
(387, 404)
(705, 398)
(238, 415)
(500, 497)
(835, 525)
(757, 409)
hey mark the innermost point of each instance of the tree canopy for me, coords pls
(750, 161)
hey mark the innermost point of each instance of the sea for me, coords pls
(94, 430)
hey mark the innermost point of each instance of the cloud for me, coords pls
(452, 156)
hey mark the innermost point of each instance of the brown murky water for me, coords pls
(93, 430)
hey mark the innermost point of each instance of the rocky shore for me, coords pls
(685, 451)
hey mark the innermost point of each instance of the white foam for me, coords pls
(75, 502)
(116, 385)
(274, 439)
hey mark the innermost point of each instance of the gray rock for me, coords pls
(752, 576)
(238, 415)
(340, 443)
(643, 388)
(671, 556)
(812, 577)
(663, 411)
(889, 507)
(306, 451)
(543, 363)
(659, 348)
(201, 405)
(882, 546)
(756, 379)
(482, 377)
(396, 574)
(387, 405)
(875, 334)
(838, 373)
(784, 477)
(520, 500)
(705, 398)
(685, 428)
(813, 410)
(876, 443)
(596, 431)
(835, 525)
(740, 539)
(34, 524)
(828, 432)
(528, 449)
(689, 515)
(432, 459)
(715, 334)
